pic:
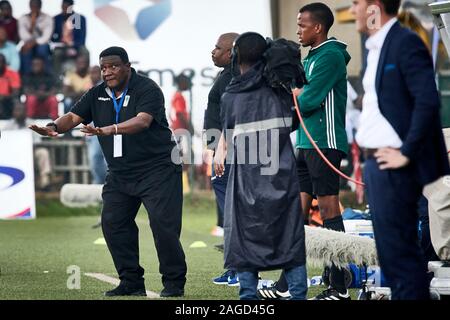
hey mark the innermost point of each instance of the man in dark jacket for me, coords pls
(221, 56)
(401, 136)
(263, 224)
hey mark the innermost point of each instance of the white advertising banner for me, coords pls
(17, 200)
(166, 37)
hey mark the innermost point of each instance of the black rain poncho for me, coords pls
(263, 223)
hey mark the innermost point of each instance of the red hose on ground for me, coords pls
(317, 148)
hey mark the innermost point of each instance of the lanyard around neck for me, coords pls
(118, 106)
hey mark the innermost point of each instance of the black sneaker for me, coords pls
(123, 290)
(168, 292)
(331, 294)
(271, 293)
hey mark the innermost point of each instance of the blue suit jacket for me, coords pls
(409, 100)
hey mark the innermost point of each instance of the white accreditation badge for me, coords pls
(127, 99)
(117, 148)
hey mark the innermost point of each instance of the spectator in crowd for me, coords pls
(41, 154)
(97, 161)
(35, 30)
(69, 36)
(76, 82)
(9, 50)
(8, 22)
(179, 119)
(352, 113)
(9, 88)
(39, 87)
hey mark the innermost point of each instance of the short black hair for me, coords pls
(321, 13)
(182, 78)
(69, 2)
(115, 51)
(39, 2)
(3, 2)
(249, 48)
(391, 6)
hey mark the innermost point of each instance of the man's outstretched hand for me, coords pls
(96, 131)
(44, 131)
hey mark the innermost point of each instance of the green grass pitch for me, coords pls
(35, 255)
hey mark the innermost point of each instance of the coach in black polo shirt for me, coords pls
(130, 122)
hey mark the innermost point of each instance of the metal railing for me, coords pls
(68, 157)
(441, 15)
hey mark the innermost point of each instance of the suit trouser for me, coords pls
(162, 195)
(393, 196)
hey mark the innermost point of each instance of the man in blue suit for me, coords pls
(400, 134)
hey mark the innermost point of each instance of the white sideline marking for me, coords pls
(114, 281)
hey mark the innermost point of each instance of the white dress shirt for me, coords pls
(42, 31)
(374, 130)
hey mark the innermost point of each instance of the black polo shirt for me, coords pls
(142, 152)
(212, 113)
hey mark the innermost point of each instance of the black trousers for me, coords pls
(393, 197)
(161, 191)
